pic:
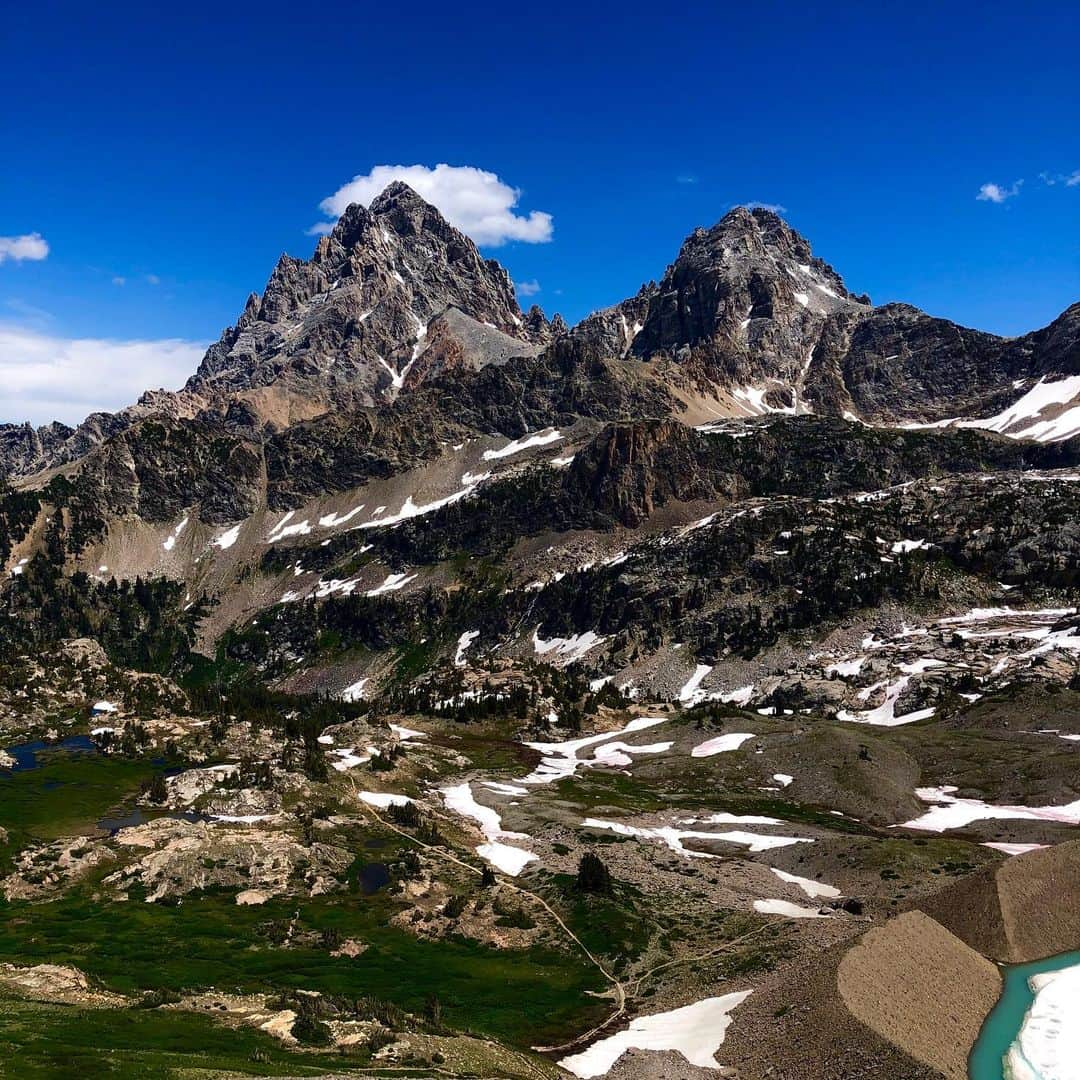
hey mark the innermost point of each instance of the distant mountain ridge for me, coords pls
(746, 321)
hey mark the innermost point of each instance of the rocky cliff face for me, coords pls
(744, 302)
(747, 309)
(351, 324)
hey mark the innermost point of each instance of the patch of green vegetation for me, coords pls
(208, 941)
(609, 924)
(895, 859)
(142, 624)
(139, 1044)
(67, 793)
(695, 790)
(415, 659)
(489, 754)
(756, 956)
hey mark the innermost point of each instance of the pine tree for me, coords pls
(592, 875)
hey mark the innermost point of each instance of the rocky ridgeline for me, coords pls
(395, 301)
(348, 327)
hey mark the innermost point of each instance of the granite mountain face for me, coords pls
(346, 328)
(380, 367)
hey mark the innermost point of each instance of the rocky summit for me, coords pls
(431, 688)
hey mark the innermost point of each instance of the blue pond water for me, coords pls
(373, 877)
(26, 754)
(36, 755)
(1004, 1023)
(112, 825)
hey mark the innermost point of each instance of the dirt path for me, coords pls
(619, 989)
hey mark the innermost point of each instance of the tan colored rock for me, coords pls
(280, 1025)
(1018, 910)
(56, 983)
(922, 989)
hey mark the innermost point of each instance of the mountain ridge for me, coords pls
(745, 321)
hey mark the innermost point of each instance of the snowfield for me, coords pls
(696, 1031)
(813, 889)
(560, 759)
(1022, 419)
(1048, 412)
(541, 438)
(505, 857)
(722, 744)
(383, 800)
(568, 650)
(954, 813)
(673, 837)
(787, 910)
(170, 541)
(1048, 1046)
(463, 644)
(227, 538)
(355, 692)
(885, 714)
(690, 694)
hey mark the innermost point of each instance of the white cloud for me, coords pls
(776, 208)
(118, 280)
(153, 279)
(474, 200)
(46, 377)
(1068, 179)
(527, 288)
(995, 193)
(31, 247)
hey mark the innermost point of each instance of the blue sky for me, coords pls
(167, 157)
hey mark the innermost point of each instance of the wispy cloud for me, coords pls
(27, 313)
(776, 208)
(477, 202)
(47, 377)
(527, 288)
(30, 247)
(686, 178)
(118, 280)
(995, 193)
(1065, 179)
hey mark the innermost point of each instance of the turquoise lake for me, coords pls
(1003, 1024)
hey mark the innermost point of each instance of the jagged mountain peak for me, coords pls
(398, 208)
(762, 239)
(347, 326)
(407, 212)
(397, 194)
(745, 320)
(755, 220)
(742, 308)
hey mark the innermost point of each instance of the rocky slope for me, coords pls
(752, 314)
